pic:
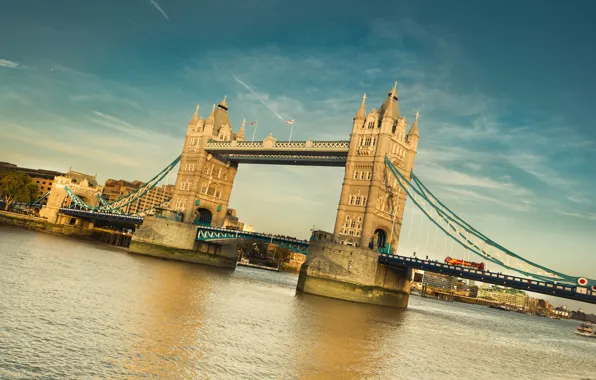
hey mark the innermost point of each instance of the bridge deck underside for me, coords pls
(265, 159)
(530, 285)
(101, 216)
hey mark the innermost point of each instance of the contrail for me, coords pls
(156, 5)
(257, 96)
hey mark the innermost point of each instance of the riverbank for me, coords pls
(33, 223)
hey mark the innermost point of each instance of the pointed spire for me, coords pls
(390, 107)
(240, 136)
(361, 114)
(390, 110)
(211, 118)
(414, 127)
(393, 91)
(195, 117)
(224, 103)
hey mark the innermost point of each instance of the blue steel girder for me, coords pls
(531, 285)
(205, 233)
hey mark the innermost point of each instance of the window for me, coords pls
(368, 175)
(211, 191)
(224, 174)
(218, 192)
(362, 175)
(356, 174)
(367, 141)
(215, 172)
(371, 125)
(206, 169)
(204, 188)
(185, 185)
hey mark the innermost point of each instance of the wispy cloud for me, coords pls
(9, 64)
(31, 136)
(159, 8)
(258, 96)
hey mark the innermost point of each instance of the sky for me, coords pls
(504, 90)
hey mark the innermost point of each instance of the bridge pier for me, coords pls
(174, 240)
(353, 274)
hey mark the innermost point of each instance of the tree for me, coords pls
(16, 186)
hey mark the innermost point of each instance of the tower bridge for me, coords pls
(358, 261)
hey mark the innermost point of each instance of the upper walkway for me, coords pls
(273, 152)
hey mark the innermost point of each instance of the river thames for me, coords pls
(71, 309)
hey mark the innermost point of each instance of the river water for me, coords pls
(76, 310)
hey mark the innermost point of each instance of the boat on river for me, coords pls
(587, 330)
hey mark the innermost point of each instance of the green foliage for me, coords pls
(16, 186)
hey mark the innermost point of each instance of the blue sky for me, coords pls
(505, 92)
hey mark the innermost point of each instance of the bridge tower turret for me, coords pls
(371, 205)
(204, 184)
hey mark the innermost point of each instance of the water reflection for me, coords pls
(341, 339)
(70, 309)
(165, 320)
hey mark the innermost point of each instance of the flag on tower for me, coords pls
(289, 121)
(253, 123)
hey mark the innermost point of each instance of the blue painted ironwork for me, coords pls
(205, 233)
(141, 191)
(38, 200)
(552, 288)
(469, 238)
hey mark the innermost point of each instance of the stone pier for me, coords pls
(353, 274)
(174, 240)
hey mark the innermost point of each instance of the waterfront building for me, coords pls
(508, 297)
(439, 281)
(44, 179)
(114, 189)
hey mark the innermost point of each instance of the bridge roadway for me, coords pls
(559, 290)
(222, 235)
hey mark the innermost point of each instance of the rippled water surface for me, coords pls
(71, 309)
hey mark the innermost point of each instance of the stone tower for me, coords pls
(372, 203)
(204, 184)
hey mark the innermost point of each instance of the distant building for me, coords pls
(561, 312)
(248, 228)
(232, 221)
(439, 281)
(44, 179)
(509, 297)
(115, 189)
